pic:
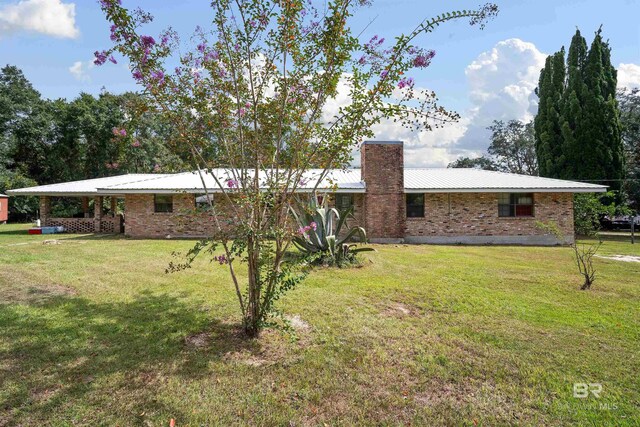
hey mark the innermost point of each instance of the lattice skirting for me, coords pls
(85, 225)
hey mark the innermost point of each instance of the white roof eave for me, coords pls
(211, 190)
(508, 190)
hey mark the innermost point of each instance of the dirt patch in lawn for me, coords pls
(274, 347)
(270, 348)
(227, 340)
(20, 287)
(14, 290)
(399, 309)
(199, 340)
(299, 325)
(624, 258)
(481, 395)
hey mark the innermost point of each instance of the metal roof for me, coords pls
(191, 182)
(86, 187)
(460, 180)
(416, 180)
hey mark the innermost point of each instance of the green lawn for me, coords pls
(93, 332)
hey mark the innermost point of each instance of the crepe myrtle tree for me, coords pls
(249, 94)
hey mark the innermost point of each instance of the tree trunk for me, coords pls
(586, 285)
(252, 319)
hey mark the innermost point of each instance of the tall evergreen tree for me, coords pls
(572, 111)
(547, 123)
(578, 127)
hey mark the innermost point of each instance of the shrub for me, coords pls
(319, 233)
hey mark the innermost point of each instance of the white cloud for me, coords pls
(50, 17)
(80, 70)
(628, 75)
(501, 83)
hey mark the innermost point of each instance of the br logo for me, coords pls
(582, 390)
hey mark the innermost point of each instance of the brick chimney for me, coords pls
(382, 164)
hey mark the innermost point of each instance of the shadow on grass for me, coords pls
(70, 352)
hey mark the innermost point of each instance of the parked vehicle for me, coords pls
(620, 222)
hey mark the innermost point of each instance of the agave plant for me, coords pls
(319, 231)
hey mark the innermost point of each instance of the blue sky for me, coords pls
(484, 75)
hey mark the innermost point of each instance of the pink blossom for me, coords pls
(423, 60)
(101, 57)
(119, 132)
(405, 82)
(136, 143)
(222, 259)
(147, 41)
(232, 183)
(313, 226)
(158, 76)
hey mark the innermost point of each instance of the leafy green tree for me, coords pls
(252, 94)
(481, 162)
(589, 209)
(24, 124)
(20, 208)
(629, 103)
(513, 147)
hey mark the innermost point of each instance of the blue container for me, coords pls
(48, 230)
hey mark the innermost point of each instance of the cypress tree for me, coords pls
(572, 120)
(578, 133)
(547, 121)
(541, 121)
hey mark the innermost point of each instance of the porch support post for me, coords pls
(114, 205)
(45, 210)
(97, 214)
(85, 207)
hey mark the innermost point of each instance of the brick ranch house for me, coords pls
(393, 203)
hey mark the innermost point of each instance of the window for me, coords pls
(202, 202)
(344, 202)
(515, 204)
(415, 205)
(163, 203)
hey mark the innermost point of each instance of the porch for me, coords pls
(102, 218)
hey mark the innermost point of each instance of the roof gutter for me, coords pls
(506, 190)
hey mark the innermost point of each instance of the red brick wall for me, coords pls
(184, 221)
(142, 221)
(476, 214)
(382, 166)
(358, 209)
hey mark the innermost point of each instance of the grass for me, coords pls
(92, 332)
